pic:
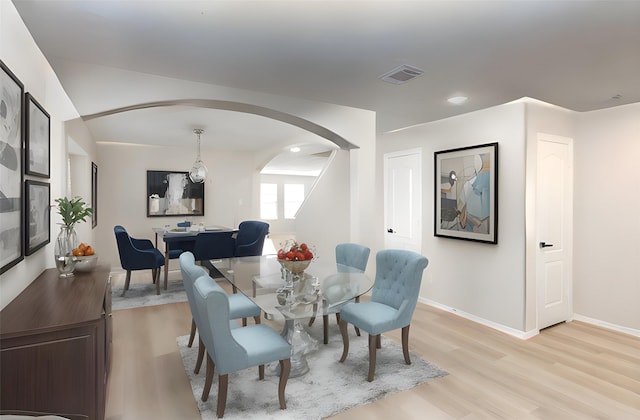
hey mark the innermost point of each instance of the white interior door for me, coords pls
(403, 200)
(554, 229)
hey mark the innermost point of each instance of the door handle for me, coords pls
(545, 245)
(390, 231)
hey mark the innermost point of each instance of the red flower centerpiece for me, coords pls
(295, 257)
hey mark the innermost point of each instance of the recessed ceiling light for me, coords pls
(457, 100)
(294, 149)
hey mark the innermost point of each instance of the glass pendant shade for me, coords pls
(198, 172)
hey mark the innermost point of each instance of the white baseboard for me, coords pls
(607, 325)
(523, 335)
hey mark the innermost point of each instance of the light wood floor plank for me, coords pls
(570, 371)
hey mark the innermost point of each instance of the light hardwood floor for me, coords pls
(571, 371)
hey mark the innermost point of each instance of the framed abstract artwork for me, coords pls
(37, 138)
(37, 220)
(11, 174)
(466, 193)
(173, 194)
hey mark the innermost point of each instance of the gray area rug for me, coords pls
(144, 294)
(330, 387)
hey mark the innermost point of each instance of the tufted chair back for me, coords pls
(397, 282)
(212, 304)
(190, 273)
(352, 255)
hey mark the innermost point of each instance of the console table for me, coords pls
(55, 346)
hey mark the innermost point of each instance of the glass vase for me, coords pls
(66, 242)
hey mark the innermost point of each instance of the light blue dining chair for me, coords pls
(350, 257)
(240, 305)
(230, 350)
(393, 301)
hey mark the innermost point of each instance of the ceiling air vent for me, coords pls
(401, 74)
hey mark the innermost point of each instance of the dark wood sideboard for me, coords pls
(55, 346)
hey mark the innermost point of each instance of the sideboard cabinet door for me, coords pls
(54, 346)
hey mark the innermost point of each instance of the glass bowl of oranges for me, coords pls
(86, 258)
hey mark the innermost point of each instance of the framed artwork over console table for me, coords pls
(171, 193)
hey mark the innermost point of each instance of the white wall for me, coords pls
(21, 54)
(323, 220)
(607, 196)
(486, 281)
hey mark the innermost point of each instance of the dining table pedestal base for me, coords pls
(301, 344)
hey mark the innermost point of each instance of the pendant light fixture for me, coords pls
(198, 172)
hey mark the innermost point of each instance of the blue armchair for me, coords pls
(214, 245)
(138, 254)
(240, 306)
(349, 257)
(250, 238)
(393, 301)
(230, 350)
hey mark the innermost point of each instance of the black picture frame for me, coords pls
(37, 138)
(172, 193)
(94, 194)
(11, 169)
(37, 215)
(466, 193)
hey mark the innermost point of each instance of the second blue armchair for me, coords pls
(250, 238)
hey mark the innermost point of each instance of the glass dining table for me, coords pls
(293, 298)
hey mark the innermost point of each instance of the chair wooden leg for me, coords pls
(223, 384)
(325, 328)
(153, 275)
(261, 372)
(285, 368)
(345, 340)
(379, 342)
(244, 322)
(373, 339)
(354, 327)
(126, 283)
(192, 334)
(313, 318)
(209, 379)
(166, 279)
(157, 281)
(256, 319)
(405, 344)
(201, 351)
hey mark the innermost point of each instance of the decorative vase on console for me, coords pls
(72, 211)
(66, 242)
